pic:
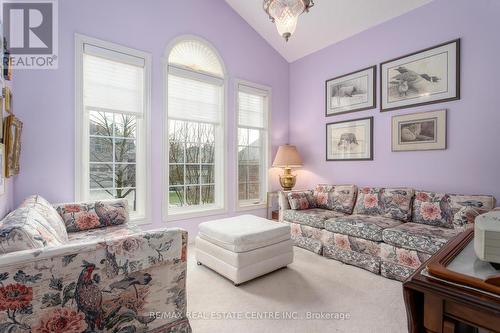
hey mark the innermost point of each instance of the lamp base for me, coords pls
(287, 180)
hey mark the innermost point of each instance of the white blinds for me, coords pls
(194, 100)
(112, 85)
(251, 107)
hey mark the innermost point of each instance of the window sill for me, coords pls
(247, 207)
(194, 213)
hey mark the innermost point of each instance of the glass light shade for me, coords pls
(286, 14)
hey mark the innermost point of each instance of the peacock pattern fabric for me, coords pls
(467, 207)
(90, 215)
(418, 237)
(433, 209)
(301, 200)
(314, 217)
(132, 283)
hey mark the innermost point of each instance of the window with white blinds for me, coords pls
(253, 144)
(194, 137)
(112, 118)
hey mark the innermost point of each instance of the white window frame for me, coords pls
(143, 179)
(173, 214)
(266, 155)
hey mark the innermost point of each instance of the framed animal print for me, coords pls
(12, 138)
(350, 140)
(351, 92)
(419, 131)
(424, 77)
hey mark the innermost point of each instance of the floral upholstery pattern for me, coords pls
(301, 200)
(47, 211)
(394, 203)
(409, 258)
(369, 201)
(315, 217)
(433, 209)
(394, 271)
(109, 232)
(350, 243)
(467, 208)
(363, 226)
(24, 229)
(111, 284)
(397, 203)
(340, 198)
(418, 237)
(354, 258)
(91, 215)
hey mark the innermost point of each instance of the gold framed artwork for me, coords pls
(7, 97)
(419, 131)
(12, 141)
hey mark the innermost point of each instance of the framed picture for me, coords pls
(350, 140)
(12, 134)
(419, 131)
(7, 69)
(2, 166)
(424, 77)
(351, 92)
(7, 98)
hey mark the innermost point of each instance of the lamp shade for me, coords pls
(287, 157)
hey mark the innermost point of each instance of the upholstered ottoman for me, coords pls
(244, 247)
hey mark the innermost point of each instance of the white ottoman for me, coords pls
(244, 247)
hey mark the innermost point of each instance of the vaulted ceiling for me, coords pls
(328, 22)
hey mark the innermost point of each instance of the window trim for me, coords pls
(81, 125)
(239, 207)
(209, 210)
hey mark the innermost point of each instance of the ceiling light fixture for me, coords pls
(285, 14)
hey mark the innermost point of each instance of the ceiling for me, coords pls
(328, 22)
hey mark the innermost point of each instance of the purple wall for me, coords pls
(45, 99)
(471, 164)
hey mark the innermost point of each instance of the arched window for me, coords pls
(194, 133)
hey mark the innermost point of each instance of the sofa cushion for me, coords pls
(467, 207)
(397, 203)
(392, 203)
(301, 200)
(363, 226)
(91, 215)
(315, 217)
(418, 237)
(369, 201)
(340, 198)
(49, 213)
(433, 209)
(24, 229)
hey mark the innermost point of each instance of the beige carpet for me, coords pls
(311, 284)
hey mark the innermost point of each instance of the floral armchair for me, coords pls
(110, 279)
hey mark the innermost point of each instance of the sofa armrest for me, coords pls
(283, 202)
(113, 255)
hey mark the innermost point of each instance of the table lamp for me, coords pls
(287, 157)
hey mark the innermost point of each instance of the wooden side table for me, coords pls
(272, 205)
(437, 305)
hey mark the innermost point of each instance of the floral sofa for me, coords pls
(388, 231)
(75, 268)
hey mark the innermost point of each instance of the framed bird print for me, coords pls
(351, 92)
(424, 77)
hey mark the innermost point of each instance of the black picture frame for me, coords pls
(374, 92)
(370, 158)
(457, 83)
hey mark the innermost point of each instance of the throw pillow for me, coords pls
(433, 209)
(301, 200)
